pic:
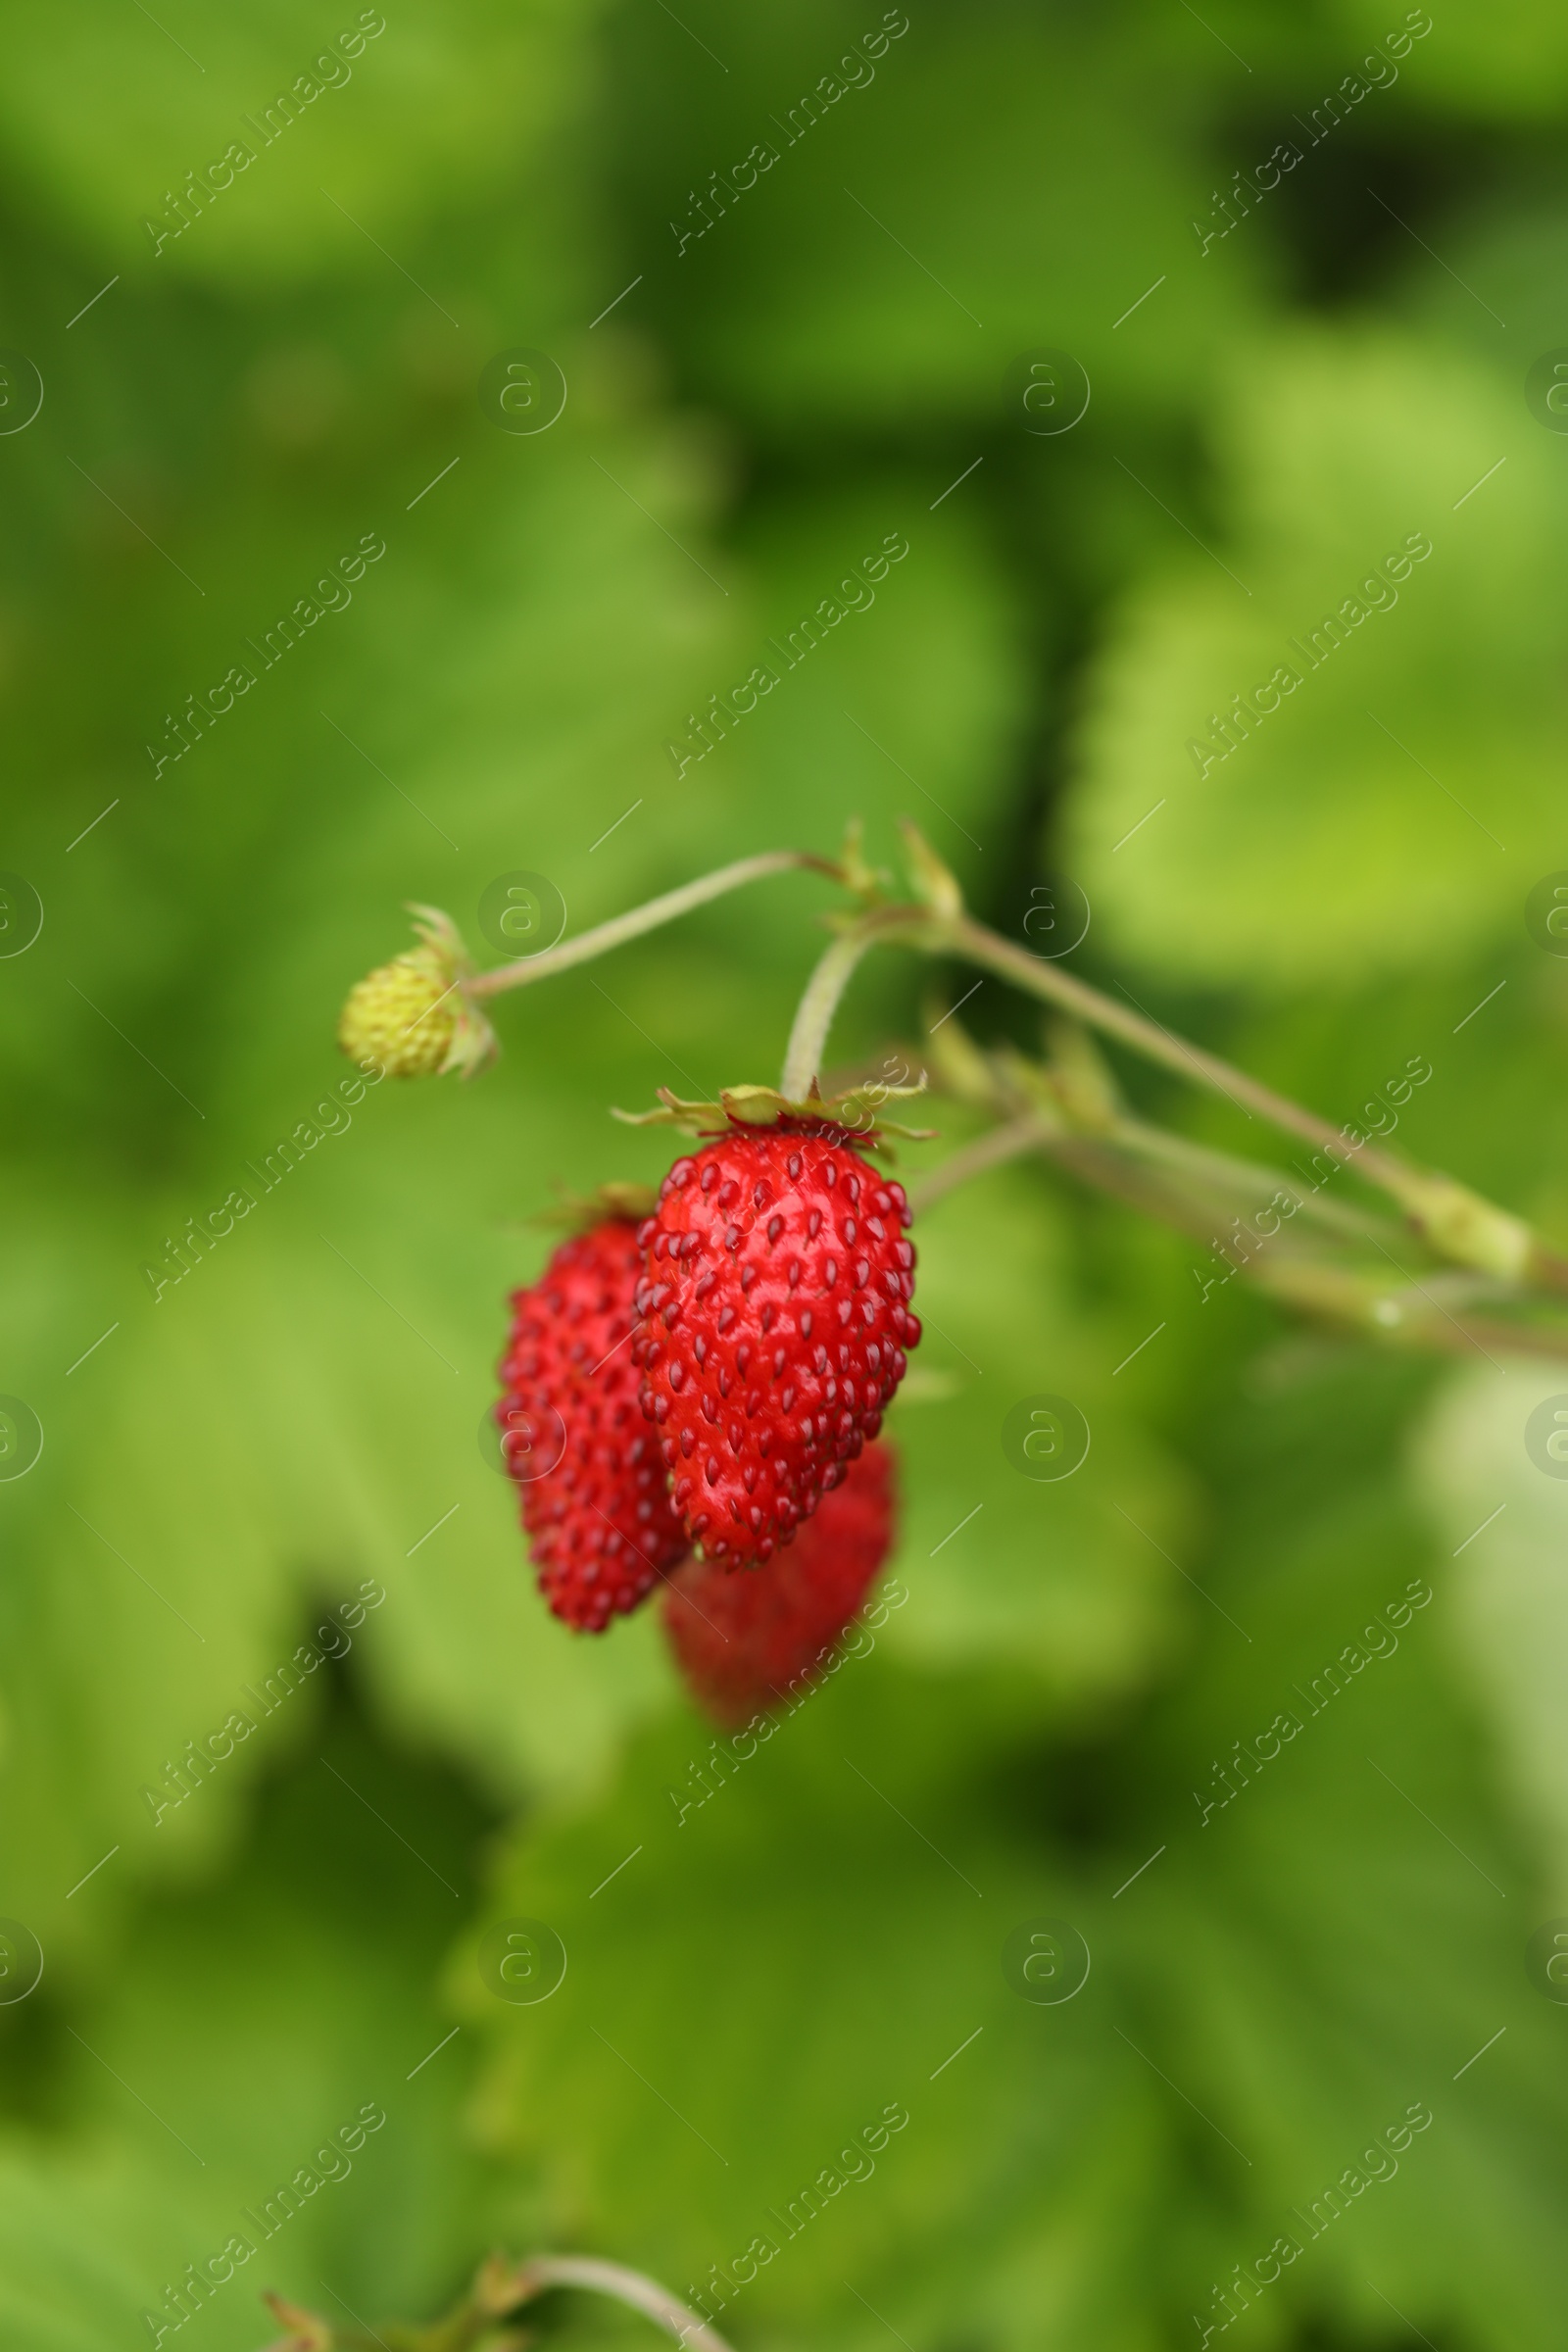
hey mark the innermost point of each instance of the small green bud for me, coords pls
(933, 885)
(413, 1015)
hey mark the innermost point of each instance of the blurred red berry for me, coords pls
(589, 1476)
(775, 1322)
(745, 1636)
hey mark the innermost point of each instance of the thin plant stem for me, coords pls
(1365, 1298)
(813, 1015)
(644, 2294)
(1156, 1043)
(992, 1149)
(921, 927)
(1239, 1177)
(632, 925)
(1457, 1223)
(502, 2288)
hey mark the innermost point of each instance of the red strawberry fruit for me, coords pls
(775, 1321)
(745, 1638)
(589, 1476)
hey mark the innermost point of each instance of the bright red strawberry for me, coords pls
(589, 1476)
(746, 1637)
(775, 1324)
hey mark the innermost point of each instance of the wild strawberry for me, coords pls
(411, 1016)
(775, 1298)
(589, 1476)
(746, 1637)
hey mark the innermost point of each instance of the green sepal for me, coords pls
(854, 1113)
(580, 1212)
(931, 881)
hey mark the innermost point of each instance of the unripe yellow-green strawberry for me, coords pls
(411, 1016)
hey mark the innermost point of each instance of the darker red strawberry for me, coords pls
(745, 1638)
(775, 1311)
(589, 1476)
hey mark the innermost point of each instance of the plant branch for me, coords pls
(1429, 1309)
(939, 933)
(1142, 1032)
(665, 910)
(1455, 1223)
(644, 2294)
(1240, 1179)
(814, 1016)
(1027, 1132)
(501, 2288)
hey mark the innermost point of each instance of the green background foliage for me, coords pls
(751, 410)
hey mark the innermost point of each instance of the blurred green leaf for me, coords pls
(1071, 1577)
(1271, 1989)
(1392, 806)
(849, 279)
(262, 110)
(1485, 1465)
(247, 2038)
(835, 362)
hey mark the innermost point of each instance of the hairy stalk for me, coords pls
(665, 910)
(1410, 1315)
(814, 1016)
(1029, 1132)
(921, 927)
(1428, 1310)
(501, 2289)
(644, 2294)
(1243, 1179)
(1455, 1223)
(1144, 1034)
(1195, 1188)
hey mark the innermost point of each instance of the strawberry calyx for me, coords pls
(572, 1212)
(852, 1116)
